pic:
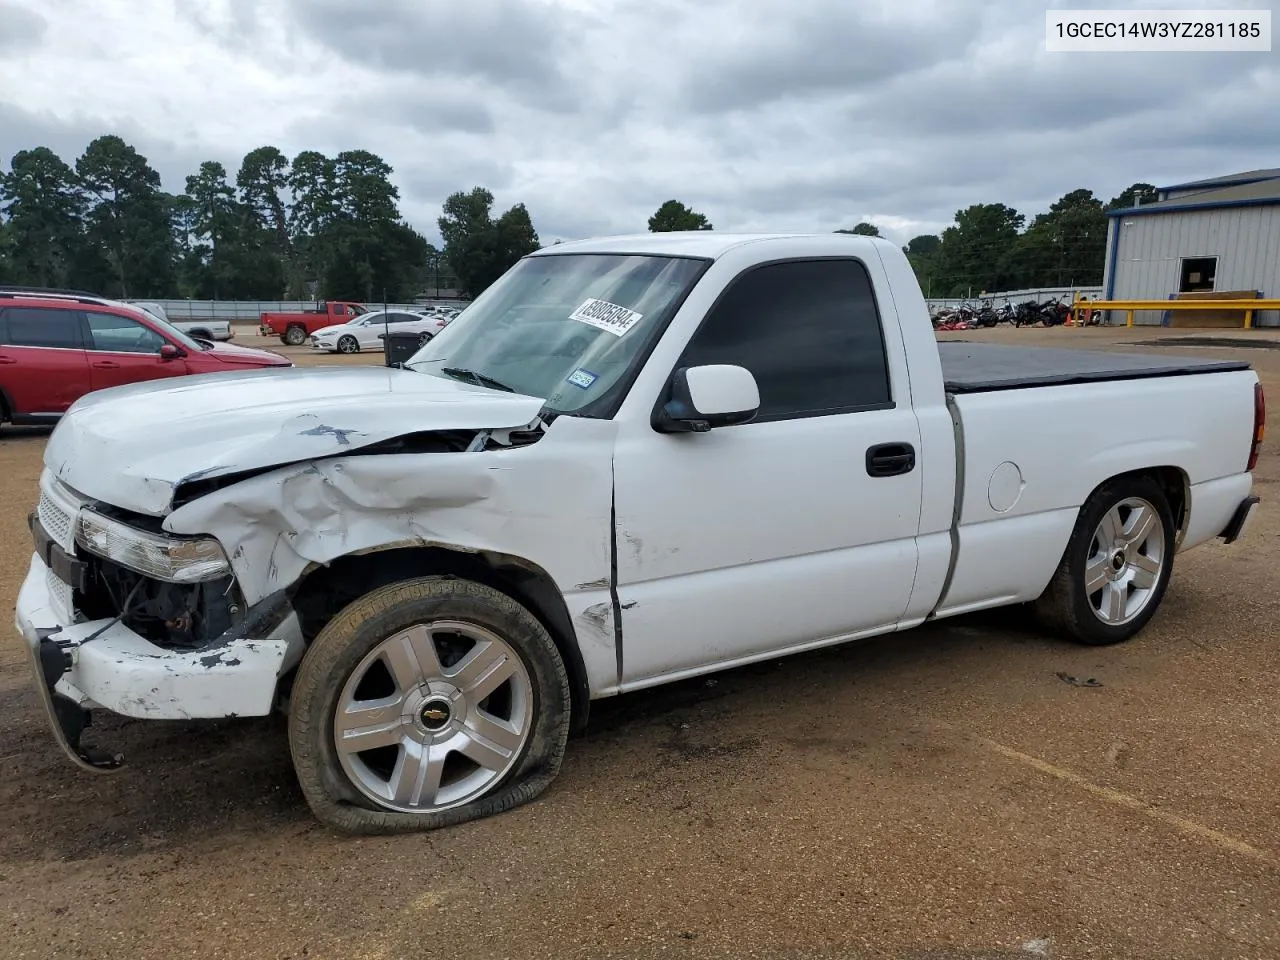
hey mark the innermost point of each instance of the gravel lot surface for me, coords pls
(937, 794)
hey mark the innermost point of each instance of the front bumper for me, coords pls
(102, 664)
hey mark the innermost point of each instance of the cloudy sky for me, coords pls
(763, 114)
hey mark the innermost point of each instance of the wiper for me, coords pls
(479, 379)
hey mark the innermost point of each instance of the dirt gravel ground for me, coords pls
(937, 794)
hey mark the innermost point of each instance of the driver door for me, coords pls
(784, 532)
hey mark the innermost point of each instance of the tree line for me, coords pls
(991, 246)
(321, 227)
(310, 227)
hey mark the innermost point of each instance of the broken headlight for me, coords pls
(172, 559)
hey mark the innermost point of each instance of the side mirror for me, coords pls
(714, 395)
(169, 352)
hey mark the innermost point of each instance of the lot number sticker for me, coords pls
(604, 315)
(581, 378)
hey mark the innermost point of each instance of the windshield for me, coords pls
(563, 327)
(169, 330)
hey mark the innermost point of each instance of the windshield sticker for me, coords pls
(581, 378)
(604, 315)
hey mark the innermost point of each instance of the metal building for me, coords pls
(1221, 234)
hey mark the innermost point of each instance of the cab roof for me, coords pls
(689, 243)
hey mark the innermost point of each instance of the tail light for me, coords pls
(1259, 426)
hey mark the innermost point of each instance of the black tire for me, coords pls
(295, 336)
(1066, 607)
(423, 339)
(348, 344)
(354, 632)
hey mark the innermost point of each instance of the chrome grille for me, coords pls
(56, 520)
(60, 593)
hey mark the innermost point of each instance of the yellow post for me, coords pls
(1129, 322)
(1248, 319)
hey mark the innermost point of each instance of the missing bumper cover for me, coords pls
(50, 660)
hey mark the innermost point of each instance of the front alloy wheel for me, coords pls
(433, 716)
(348, 344)
(427, 703)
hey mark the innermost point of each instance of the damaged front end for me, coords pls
(121, 616)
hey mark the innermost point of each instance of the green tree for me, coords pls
(7, 273)
(190, 267)
(128, 219)
(863, 229)
(385, 258)
(362, 187)
(922, 245)
(44, 206)
(922, 254)
(674, 215)
(478, 248)
(263, 181)
(975, 253)
(216, 217)
(313, 185)
(1065, 246)
(1138, 193)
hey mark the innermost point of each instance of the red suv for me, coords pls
(56, 346)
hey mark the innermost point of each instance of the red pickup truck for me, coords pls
(294, 328)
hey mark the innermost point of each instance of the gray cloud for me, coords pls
(806, 50)
(512, 44)
(20, 27)
(227, 21)
(22, 130)
(430, 111)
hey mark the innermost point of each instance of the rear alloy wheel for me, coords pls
(295, 336)
(423, 339)
(1116, 567)
(427, 703)
(348, 344)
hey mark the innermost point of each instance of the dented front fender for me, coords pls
(548, 503)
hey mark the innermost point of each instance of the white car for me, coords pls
(365, 331)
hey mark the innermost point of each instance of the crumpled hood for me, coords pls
(131, 446)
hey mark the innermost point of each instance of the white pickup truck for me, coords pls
(206, 329)
(632, 460)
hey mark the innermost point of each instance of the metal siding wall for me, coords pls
(1246, 241)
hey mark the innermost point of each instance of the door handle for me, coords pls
(7, 360)
(107, 365)
(890, 459)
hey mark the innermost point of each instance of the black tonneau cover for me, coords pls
(969, 367)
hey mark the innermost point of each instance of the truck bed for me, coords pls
(969, 367)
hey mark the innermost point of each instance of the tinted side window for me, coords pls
(809, 332)
(117, 334)
(40, 327)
